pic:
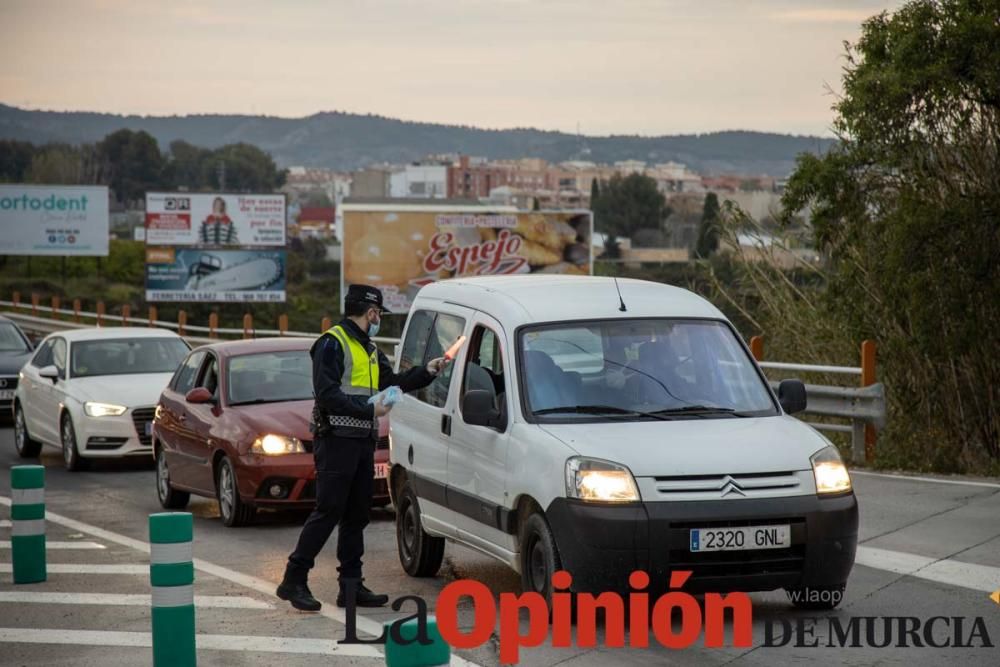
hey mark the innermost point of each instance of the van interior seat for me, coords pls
(548, 385)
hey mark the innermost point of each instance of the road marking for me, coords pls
(945, 570)
(204, 642)
(365, 625)
(933, 480)
(4, 523)
(87, 568)
(5, 544)
(129, 600)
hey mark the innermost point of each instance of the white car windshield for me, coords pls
(126, 356)
(270, 377)
(10, 339)
(639, 369)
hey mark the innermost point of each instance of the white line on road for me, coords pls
(5, 544)
(87, 568)
(365, 625)
(945, 571)
(204, 642)
(4, 523)
(933, 480)
(129, 600)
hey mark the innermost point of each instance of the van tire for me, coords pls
(539, 556)
(420, 554)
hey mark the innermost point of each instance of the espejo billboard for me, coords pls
(215, 219)
(400, 248)
(53, 220)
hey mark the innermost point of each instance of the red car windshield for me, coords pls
(269, 377)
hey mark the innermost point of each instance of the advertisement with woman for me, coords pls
(212, 219)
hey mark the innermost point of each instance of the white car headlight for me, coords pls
(276, 445)
(830, 471)
(94, 409)
(601, 481)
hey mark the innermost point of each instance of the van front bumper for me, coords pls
(601, 544)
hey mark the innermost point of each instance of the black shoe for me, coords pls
(362, 597)
(299, 595)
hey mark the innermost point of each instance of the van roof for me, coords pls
(526, 299)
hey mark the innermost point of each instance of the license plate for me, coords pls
(381, 470)
(739, 539)
(149, 428)
(6, 394)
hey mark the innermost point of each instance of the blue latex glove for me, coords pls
(389, 396)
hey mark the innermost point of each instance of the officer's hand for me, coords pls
(381, 410)
(435, 366)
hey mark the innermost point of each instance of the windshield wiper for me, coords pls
(699, 411)
(600, 410)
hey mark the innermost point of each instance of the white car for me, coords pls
(599, 432)
(93, 392)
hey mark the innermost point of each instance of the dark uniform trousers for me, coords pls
(345, 476)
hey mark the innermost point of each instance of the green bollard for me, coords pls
(27, 514)
(171, 571)
(416, 654)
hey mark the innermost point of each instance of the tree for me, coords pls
(625, 205)
(906, 207)
(131, 164)
(247, 168)
(595, 192)
(187, 166)
(15, 159)
(708, 230)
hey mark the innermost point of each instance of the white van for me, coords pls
(599, 433)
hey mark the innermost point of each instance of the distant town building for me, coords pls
(420, 180)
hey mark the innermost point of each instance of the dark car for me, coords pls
(15, 351)
(233, 424)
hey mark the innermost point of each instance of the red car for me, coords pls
(233, 424)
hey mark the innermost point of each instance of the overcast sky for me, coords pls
(607, 66)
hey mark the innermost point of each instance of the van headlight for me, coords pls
(830, 472)
(276, 445)
(600, 481)
(95, 409)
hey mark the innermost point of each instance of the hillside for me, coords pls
(348, 141)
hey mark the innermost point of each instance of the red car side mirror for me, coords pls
(199, 395)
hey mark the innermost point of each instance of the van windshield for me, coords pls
(639, 369)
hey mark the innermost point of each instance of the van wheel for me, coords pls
(539, 556)
(420, 554)
(26, 447)
(816, 598)
(170, 498)
(71, 454)
(233, 510)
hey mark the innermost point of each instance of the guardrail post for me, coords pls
(54, 307)
(182, 320)
(153, 316)
(100, 313)
(282, 324)
(27, 513)
(868, 379)
(126, 314)
(413, 653)
(213, 324)
(16, 298)
(325, 324)
(247, 326)
(171, 573)
(76, 310)
(757, 347)
(34, 305)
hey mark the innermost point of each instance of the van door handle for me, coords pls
(446, 424)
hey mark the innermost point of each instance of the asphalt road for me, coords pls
(929, 549)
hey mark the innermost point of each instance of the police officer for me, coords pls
(347, 369)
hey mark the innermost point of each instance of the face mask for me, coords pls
(373, 328)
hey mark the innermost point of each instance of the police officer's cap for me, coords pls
(367, 295)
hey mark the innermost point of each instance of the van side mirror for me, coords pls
(478, 409)
(49, 373)
(792, 396)
(199, 395)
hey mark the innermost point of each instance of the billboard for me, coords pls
(211, 219)
(401, 248)
(214, 275)
(54, 220)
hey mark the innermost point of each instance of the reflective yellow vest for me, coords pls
(360, 376)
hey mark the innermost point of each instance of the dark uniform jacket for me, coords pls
(328, 367)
